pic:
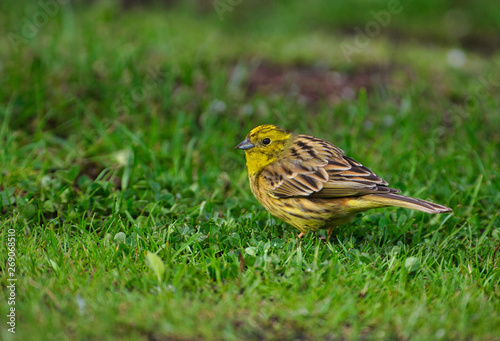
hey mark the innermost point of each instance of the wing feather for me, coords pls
(316, 168)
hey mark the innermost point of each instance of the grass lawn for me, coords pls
(131, 211)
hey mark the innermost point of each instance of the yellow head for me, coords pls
(264, 145)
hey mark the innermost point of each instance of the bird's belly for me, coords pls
(309, 214)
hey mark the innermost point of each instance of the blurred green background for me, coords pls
(132, 210)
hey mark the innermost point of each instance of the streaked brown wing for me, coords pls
(316, 168)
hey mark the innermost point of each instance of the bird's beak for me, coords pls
(245, 144)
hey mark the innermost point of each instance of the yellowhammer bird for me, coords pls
(310, 184)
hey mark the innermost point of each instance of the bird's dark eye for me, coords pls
(266, 141)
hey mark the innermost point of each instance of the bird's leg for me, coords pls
(301, 234)
(329, 232)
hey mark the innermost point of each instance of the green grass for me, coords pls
(132, 210)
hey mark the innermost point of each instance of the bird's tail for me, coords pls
(391, 199)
